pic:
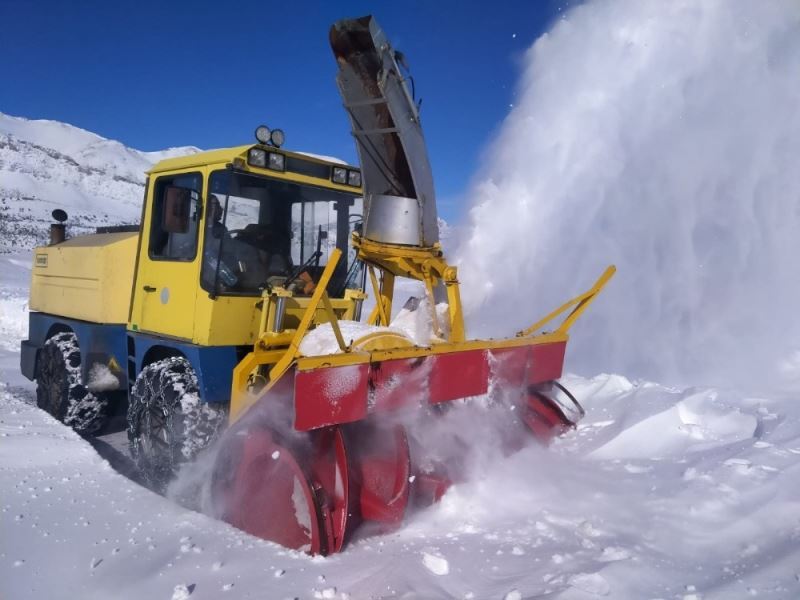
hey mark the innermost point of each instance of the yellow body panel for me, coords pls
(164, 290)
(87, 277)
(225, 321)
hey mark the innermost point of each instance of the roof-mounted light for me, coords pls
(270, 137)
(263, 134)
(277, 137)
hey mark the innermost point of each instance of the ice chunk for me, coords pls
(436, 564)
(182, 591)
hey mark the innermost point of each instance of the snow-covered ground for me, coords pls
(659, 493)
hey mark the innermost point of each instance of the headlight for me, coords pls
(277, 138)
(354, 178)
(257, 157)
(263, 134)
(339, 175)
(276, 161)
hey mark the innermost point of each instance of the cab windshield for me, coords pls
(262, 232)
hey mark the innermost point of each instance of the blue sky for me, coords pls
(161, 74)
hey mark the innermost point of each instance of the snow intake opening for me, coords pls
(662, 137)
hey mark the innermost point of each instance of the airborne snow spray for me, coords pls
(662, 137)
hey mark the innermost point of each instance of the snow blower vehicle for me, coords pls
(233, 314)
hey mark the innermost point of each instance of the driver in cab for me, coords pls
(251, 257)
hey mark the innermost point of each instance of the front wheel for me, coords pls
(168, 423)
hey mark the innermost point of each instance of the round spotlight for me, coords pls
(263, 134)
(277, 138)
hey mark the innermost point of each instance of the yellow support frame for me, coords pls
(283, 360)
(580, 303)
(423, 264)
(241, 399)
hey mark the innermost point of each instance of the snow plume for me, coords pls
(662, 137)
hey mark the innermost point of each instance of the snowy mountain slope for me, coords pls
(46, 165)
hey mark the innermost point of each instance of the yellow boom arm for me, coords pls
(579, 302)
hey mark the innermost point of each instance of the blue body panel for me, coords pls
(132, 351)
(98, 343)
(213, 364)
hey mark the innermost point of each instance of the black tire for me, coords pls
(59, 386)
(168, 423)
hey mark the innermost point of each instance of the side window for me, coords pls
(176, 215)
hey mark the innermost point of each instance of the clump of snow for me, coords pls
(101, 379)
(182, 591)
(435, 563)
(301, 510)
(321, 340)
(592, 583)
(414, 321)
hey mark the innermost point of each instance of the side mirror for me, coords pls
(177, 201)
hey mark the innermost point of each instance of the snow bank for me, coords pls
(663, 137)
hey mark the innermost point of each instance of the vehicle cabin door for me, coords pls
(168, 275)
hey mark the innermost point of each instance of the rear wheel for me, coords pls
(168, 423)
(59, 386)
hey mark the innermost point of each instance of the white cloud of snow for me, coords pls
(662, 137)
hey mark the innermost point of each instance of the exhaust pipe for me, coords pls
(58, 231)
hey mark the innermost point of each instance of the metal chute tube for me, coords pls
(385, 123)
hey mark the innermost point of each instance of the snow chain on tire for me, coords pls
(168, 423)
(60, 389)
